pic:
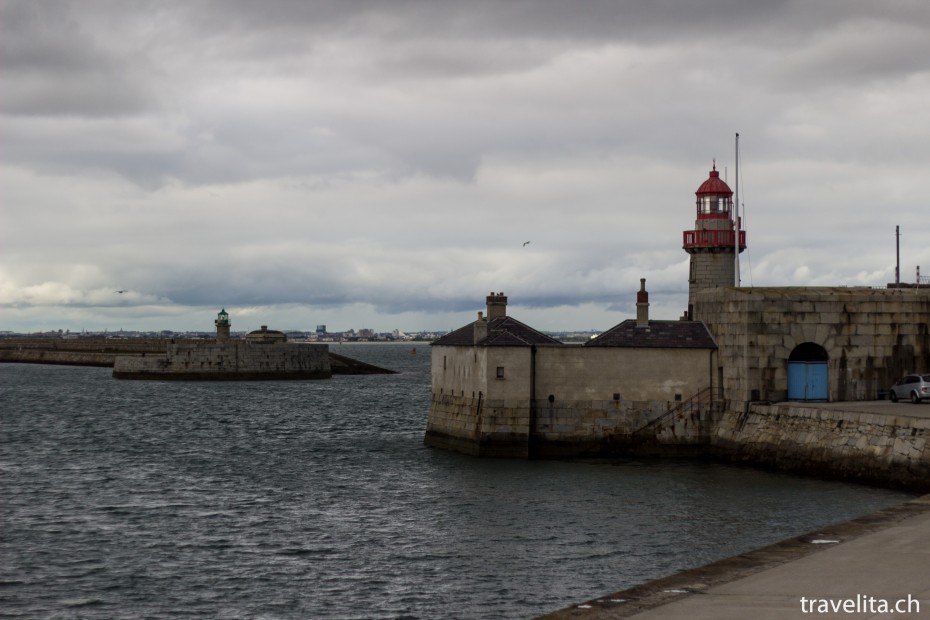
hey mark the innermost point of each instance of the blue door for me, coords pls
(807, 381)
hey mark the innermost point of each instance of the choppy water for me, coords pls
(318, 500)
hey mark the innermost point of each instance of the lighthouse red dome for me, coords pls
(714, 185)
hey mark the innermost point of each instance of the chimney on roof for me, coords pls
(497, 305)
(642, 305)
(481, 329)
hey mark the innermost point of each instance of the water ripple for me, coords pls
(317, 499)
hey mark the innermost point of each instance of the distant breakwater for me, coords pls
(102, 352)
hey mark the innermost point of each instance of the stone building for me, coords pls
(815, 344)
(265, 336)
(797, 343)
(500, 387)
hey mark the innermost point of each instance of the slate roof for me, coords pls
(659, 335)
(503, 331)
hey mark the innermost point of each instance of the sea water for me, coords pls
(317, 499)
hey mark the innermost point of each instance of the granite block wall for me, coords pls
(872, 337)
(852, 445)
(498, 427)
(472, 425)
(231, 360)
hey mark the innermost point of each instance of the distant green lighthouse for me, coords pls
(222, 326)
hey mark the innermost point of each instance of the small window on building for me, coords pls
(500, 372)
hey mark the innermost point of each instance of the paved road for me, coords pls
(858, 565)
(884, 556)
(889, 565)
(899, 409)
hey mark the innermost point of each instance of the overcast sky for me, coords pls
(381, 164)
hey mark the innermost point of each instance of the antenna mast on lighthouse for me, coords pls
(736, 220)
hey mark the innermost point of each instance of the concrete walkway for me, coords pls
(884, 556)
(900, 409)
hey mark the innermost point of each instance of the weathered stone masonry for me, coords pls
(228, 360)
(871, 337)
(264, 354)
(844, 444)
(852, 445)
(501, 388)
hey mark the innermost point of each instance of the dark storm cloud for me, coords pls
(51, 65)
(401, 87)
(595, 21)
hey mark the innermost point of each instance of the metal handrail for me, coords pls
(703, 397)
(711, 238)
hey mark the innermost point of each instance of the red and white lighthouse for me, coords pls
(712, 243)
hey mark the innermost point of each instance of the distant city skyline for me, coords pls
(387, 165)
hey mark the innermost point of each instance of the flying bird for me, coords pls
(524, 243)
(121, 291)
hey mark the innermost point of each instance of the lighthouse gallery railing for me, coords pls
(711, 238)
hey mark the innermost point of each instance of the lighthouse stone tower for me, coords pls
(712, 244)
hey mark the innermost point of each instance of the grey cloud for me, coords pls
(854, 53)
(430, 124)
(593, 20)
(396, 155)
(50, 65)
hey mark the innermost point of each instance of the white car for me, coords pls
(915, 387)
